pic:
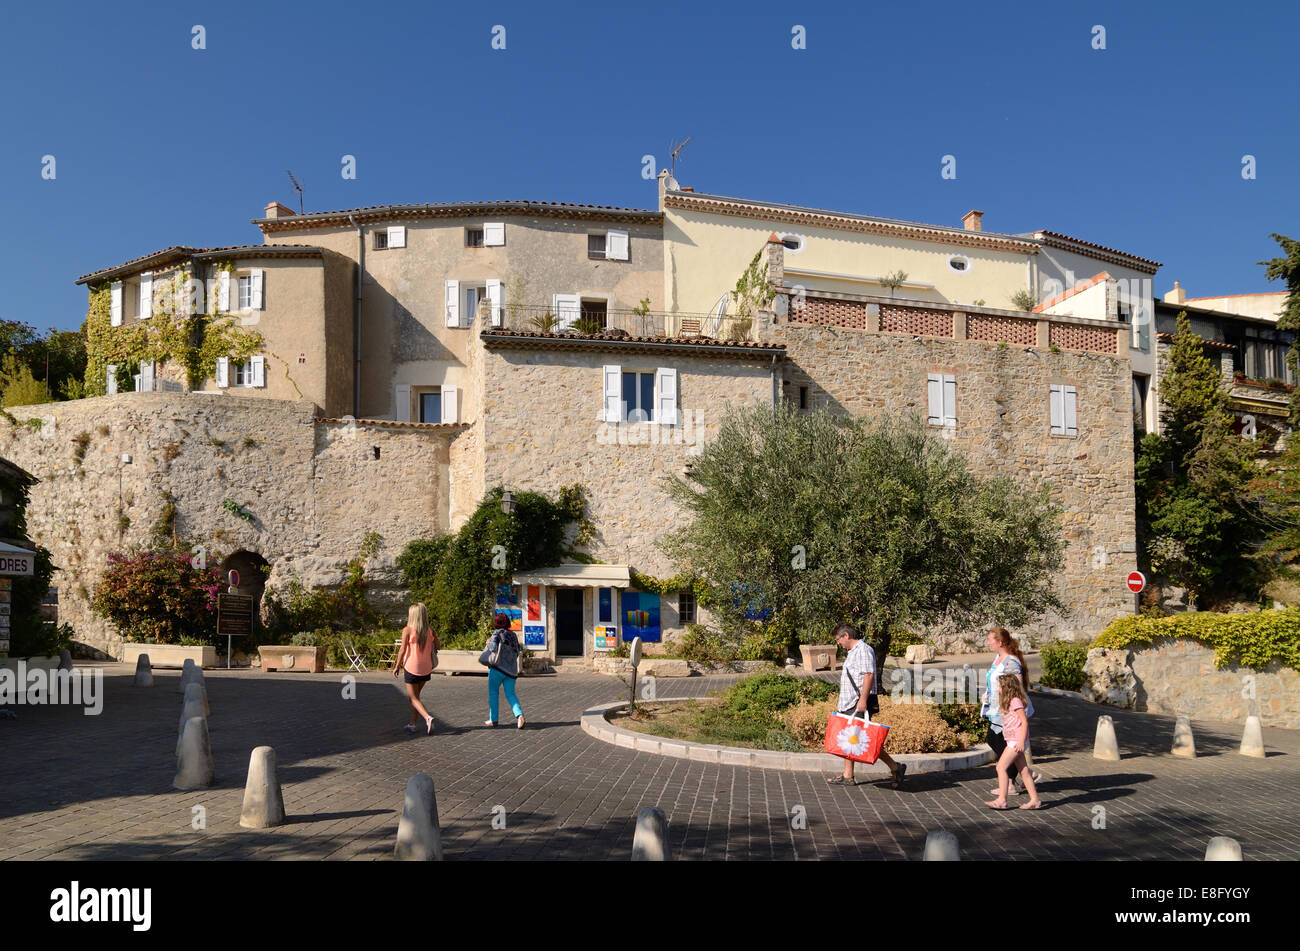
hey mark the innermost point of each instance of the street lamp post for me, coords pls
(126, 461)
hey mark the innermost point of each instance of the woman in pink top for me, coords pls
(1015, 730)
(416, 658)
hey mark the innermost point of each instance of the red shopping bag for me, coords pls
(855, 738)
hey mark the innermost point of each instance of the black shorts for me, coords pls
(873, 706)
(413, 679)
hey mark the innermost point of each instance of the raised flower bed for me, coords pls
(170, 655)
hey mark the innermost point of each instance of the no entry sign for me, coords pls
(1136, 581)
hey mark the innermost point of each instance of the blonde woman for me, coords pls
(417, 658)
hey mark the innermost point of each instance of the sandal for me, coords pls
(1033, 805)
(841, 781)
(896, 781)
(1000, 808)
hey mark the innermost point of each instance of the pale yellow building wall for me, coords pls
(1265, 306)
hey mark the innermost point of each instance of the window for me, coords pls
(803, 397)
(1064, 402)
(686, 606)
(249, 373)
(639, 397)
(1122, 313)
(596, 310)
(1140, 387)
(245, 293)
(381, 240)
(943, 399)
(959, 263)
(393, 236)
(473, 237)
(596, 246)
(794, 243)
(431, 407)
(610, 246)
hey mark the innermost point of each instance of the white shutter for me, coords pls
(568, 307)
(146, 376)
(402, 397)
(397, 236)
(110, 379)
(258, 374)
(115, 304)
(494, 234)
(255, 291)
(450, 404)
(616, 245)
(146, 295)
(949, 401)
(494, 297)
(1058, 410)
(451, 294)
(666, 396)
(223, 292)
(223, 372)
(936, 400)
(613, 394)
(1071, 411)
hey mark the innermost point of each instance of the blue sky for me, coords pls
(1138, 146)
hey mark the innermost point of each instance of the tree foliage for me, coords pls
(827, 519)
(1287, 269)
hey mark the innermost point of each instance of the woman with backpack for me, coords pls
(502, 659)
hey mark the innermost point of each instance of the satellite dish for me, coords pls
(716, 313)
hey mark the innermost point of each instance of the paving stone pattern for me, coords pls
(85, 788)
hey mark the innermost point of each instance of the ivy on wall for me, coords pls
(753, 291)
(683, 581)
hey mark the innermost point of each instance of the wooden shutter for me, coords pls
(146, 295)
(935, 417)
(110, 379)
(568, 307)
(613, 394)
(402, 398)
(115, 304)
(255, 289)
(949, 400)
(258, 374)
(666, 396)
(397, 236)
(616, 245)
(1057, 408)
(450, 404)
(223, 292)
(223, 372)
(146, 376)
(494, 297)
(451, 295)
(494, 234)
(1071, 411)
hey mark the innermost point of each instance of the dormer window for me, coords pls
(959, 263)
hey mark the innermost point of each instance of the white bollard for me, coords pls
(1223, 849)
(1106, 746)
(198, 691)
(143, 672)
(650, 842)
(188, 670)
(1184, 742)
(1252, 738)
(419, 839)
(941, 846)
(263, 802)
(195, 768)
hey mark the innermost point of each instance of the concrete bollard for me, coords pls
(1184, 742)
(263, 803)
(650, 843)
(1106, 746)
(1223, 849)
(419, 838)
(1252, 738)
(941, 846)
(198, 691)
(143, 672)
(65, 659)
(188, 670)
(195, 767)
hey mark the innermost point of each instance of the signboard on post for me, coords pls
(17, 562)
(234, 619)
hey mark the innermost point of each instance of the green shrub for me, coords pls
(1063, 665)
(779, 738)
(305, 639)
(158, 597)
(765, 642)
(768, 694)
(965, 719)
(1252, 640)
(705, 646)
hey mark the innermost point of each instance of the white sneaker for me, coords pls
(519, 724)
(489, 723)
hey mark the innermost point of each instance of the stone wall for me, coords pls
(1178, 677)
(312, 490)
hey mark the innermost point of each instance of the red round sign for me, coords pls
(233, 578)
(1136, 581)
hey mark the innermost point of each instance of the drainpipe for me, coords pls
(775, 387)
(356, 319)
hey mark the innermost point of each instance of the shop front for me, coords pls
(568, 610)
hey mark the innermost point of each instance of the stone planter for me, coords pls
(292, 657)
(169, 655)
(459, 662)
(819, 657)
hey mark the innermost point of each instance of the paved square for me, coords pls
(84, 788)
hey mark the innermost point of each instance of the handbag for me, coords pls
(855, 738)
(489, 655)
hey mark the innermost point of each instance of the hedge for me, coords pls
(1253, 640)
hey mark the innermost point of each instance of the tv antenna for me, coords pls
(297, 186)
(676, 150)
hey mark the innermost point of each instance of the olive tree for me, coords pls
(826, 518)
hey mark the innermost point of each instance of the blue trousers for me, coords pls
(497, 680)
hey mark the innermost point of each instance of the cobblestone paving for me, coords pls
(85, 788)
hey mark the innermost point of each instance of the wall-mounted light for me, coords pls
(507, 502)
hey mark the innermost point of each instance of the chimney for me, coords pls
(972, 221)
(277, 210)
(1177, 295)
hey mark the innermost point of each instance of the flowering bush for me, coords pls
(158, 597)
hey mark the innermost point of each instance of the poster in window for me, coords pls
(534, 603)
(606, 606)
(641, 617)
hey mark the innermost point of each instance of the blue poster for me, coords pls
(750, 597)
(641, 617)
(534, 635)
(606, 612)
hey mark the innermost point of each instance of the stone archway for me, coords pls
(253, 570)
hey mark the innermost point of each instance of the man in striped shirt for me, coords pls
(859, 696)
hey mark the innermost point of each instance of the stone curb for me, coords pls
(595, 724)
(1052, 691)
